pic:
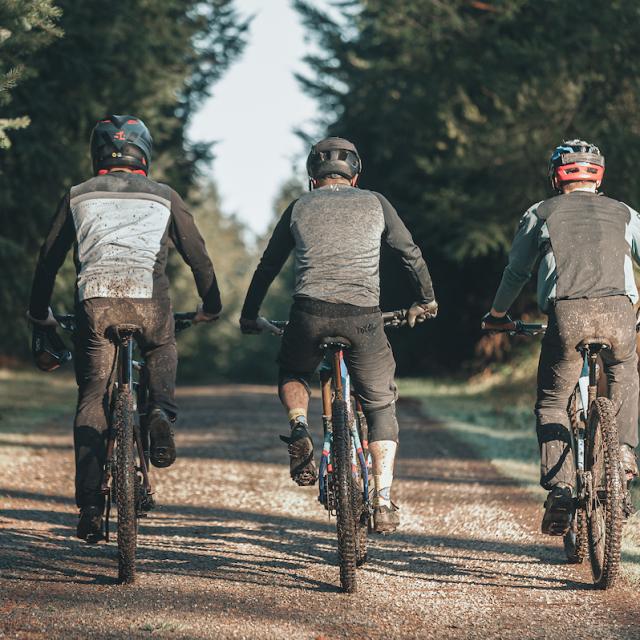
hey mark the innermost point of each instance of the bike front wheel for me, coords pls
(345, 520)
(604, 511)
(125, 486)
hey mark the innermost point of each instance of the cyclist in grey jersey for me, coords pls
(335, 232)
(120, 223)
(584, 244)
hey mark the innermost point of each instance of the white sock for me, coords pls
(383, 452)
(297, 415)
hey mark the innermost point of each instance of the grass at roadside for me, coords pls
(28, 398)
(494, 415)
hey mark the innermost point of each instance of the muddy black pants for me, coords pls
(94, 359)
(370, 359)
(570, 322)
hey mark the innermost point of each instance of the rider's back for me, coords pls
(337, 231)
(121, 224)
(589, 239)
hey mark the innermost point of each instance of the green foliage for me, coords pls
(154, 58)
(207, 351)
(25, 27)
(455, 108)
(254, 357)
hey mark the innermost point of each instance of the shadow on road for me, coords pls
(259, 548)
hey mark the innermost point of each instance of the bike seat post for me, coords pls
(127, 364)
(123, 337)
(336, 345)
(593, 367)
(337, 377)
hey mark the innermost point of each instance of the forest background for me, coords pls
(455, 107)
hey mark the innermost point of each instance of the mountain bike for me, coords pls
(345, 489)
(600, 490)
(125, 478)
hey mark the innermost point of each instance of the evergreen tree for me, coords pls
(456, 107)
(156, 59)
(25, 27)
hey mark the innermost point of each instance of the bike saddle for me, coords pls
(334, 342)
(594, 344)
(122, 330)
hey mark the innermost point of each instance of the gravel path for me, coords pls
(237, 551)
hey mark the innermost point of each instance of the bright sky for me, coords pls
(254, 111)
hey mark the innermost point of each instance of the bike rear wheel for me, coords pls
(604, 511)
(125, 486)
(345, 520)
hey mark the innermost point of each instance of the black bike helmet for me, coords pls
(121, 141)
(334, 156)
(575, 161)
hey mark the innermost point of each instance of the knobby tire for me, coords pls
(604, 523)
(345, 521)
(125, 485)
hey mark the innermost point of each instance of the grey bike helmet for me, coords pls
(334, 156)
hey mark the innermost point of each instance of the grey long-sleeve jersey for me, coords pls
(336, 233)
(584, 245)
(120, 224)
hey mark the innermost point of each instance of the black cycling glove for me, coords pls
(489, 320)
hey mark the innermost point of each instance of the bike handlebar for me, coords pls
(394, 319)
(515, 328)
(182, 320)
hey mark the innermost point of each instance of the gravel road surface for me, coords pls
(236, 550)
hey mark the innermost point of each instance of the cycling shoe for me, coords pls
(90, 524)
(559, 507)
(163, 448)
(301, 465)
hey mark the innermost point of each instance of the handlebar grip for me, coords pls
(394, 318)
(504, 327)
